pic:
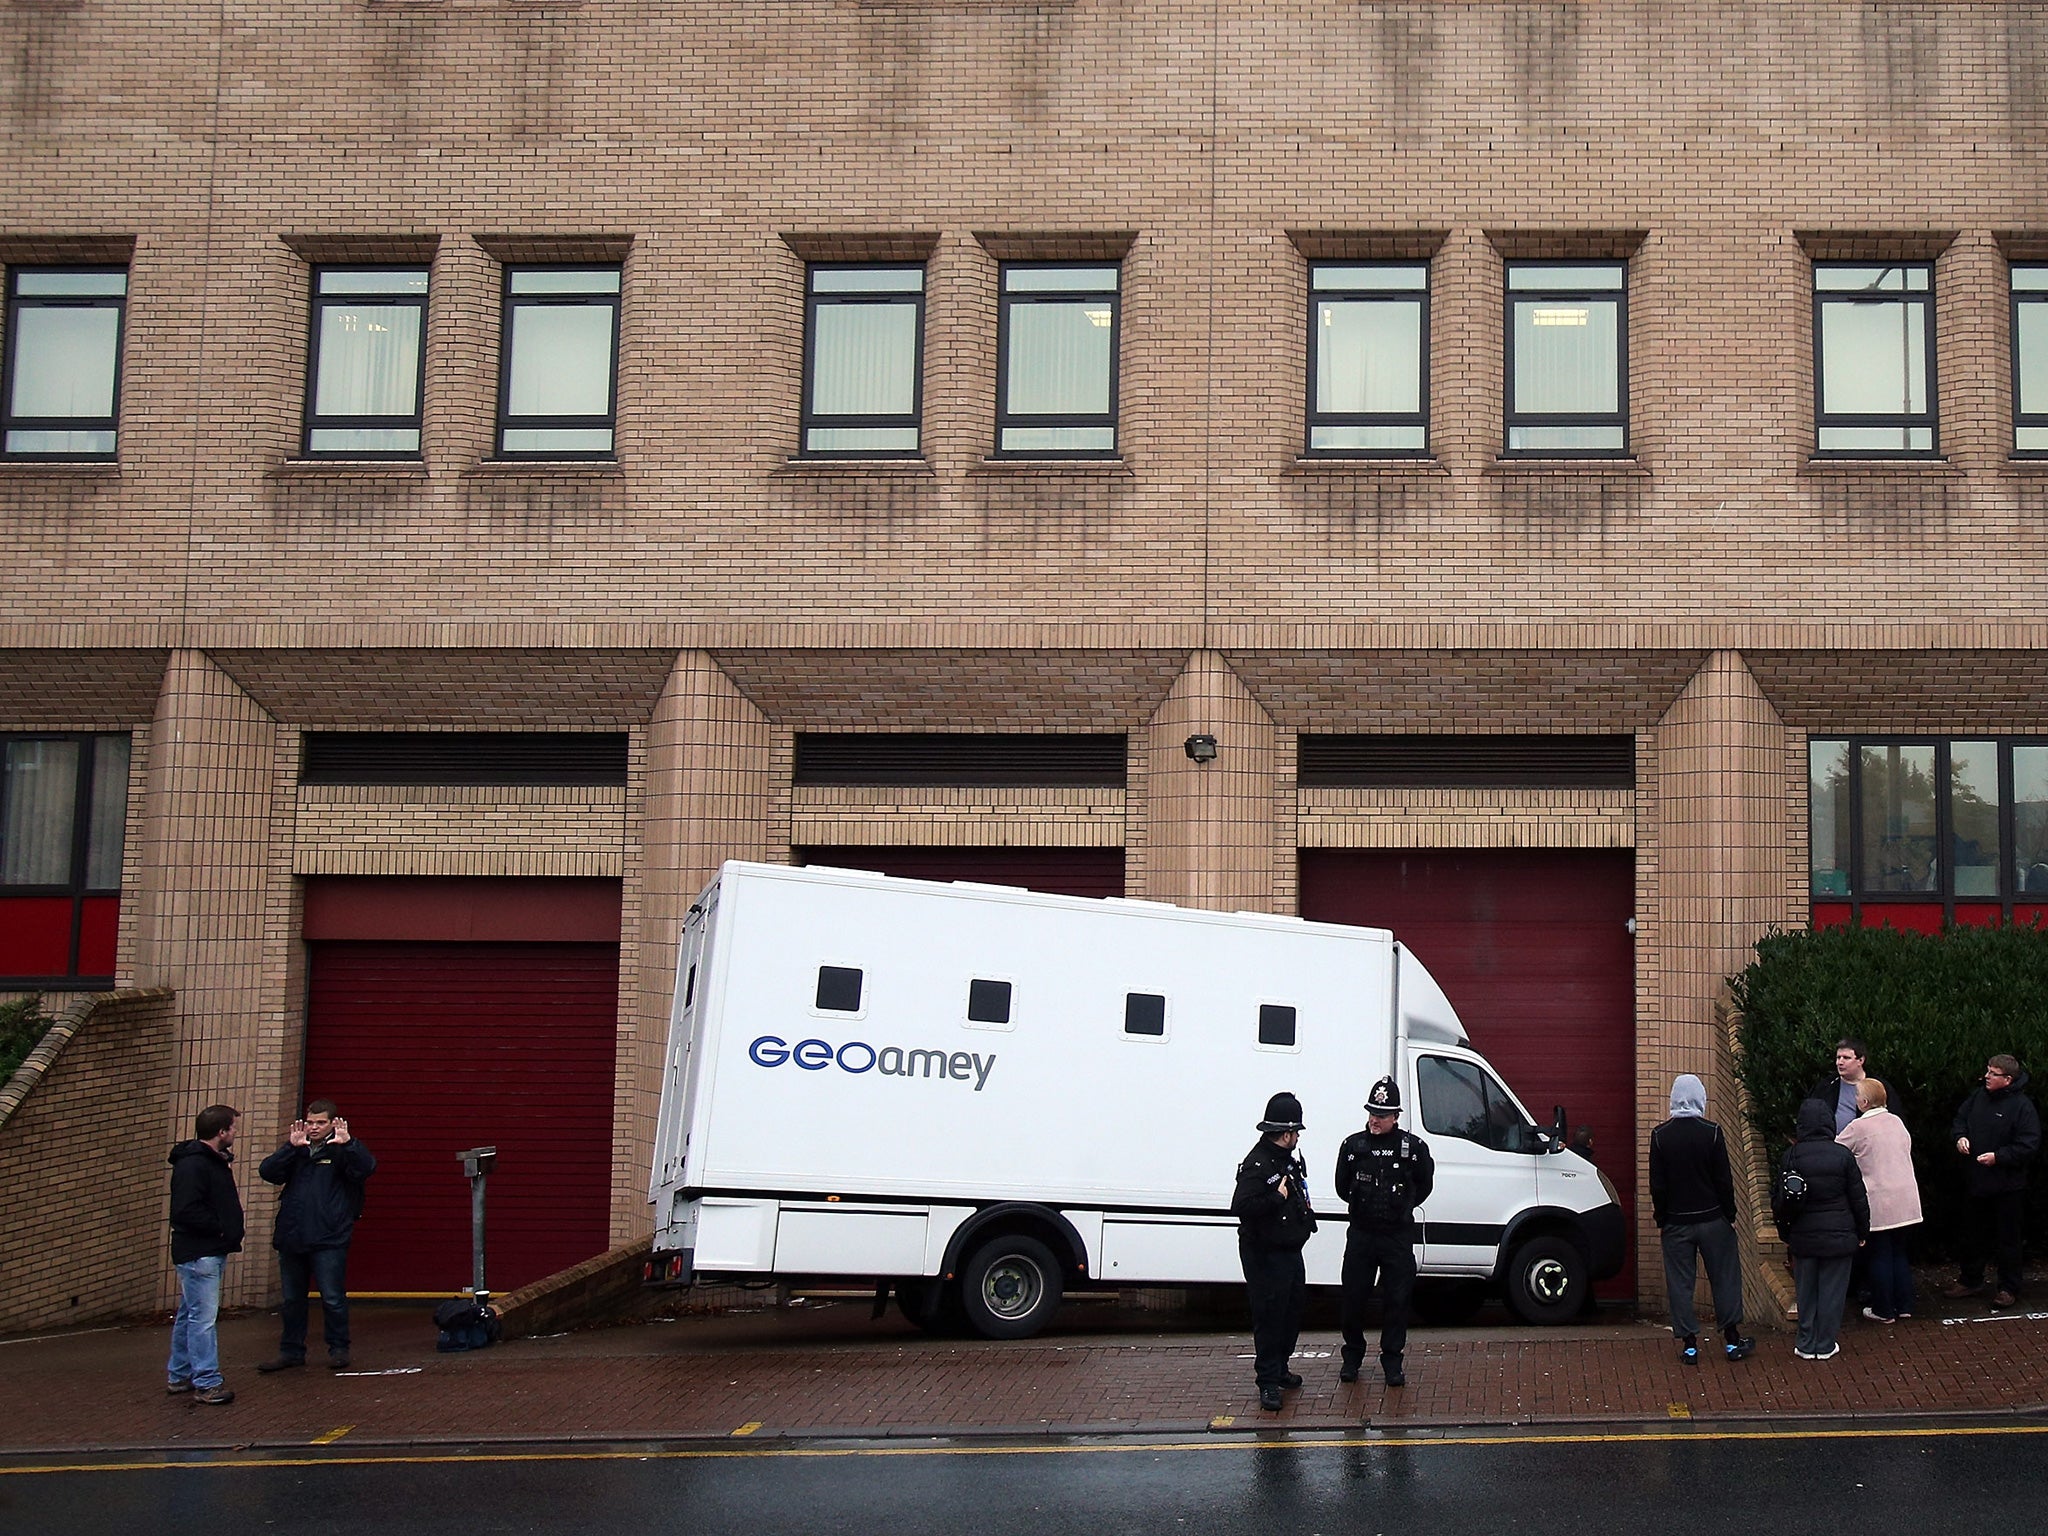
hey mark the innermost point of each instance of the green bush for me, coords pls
(22, 1024)
(1931, 1009)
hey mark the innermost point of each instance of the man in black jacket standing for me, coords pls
(1274, 1220)
(206, 1226)
(1999, 1131)
(1824, 1217)
(1383, 1173)
(1692, 1197)
(322, 1168)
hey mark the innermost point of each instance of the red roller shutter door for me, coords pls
(1056, 871)
(1532, 948)
(431, 1048)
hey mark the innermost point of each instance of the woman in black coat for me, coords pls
(1824, 1229)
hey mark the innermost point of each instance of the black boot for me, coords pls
(1391, 1364)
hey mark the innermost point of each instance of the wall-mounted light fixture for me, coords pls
(1200, 748)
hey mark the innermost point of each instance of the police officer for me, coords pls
(1271, 1205)
(1383, 1173)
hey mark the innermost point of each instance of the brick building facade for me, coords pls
(1726, 586)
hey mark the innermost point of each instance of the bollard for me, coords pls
(476, 1164)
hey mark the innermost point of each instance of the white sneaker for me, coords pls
(1876, 1316)
(1833, 1350)
(1801, 1354)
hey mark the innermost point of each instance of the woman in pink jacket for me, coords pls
(1884, 1152)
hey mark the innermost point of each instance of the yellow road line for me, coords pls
(746, 1429)
(332, 1435)
(1120, 1447)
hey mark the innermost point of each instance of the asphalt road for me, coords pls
(1949, 1478)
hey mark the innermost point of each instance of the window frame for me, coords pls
(78, 887)
(609, 420)
(313, 421)
(808, 418)
(2018, 297)
(16, 301)
(1904, 421)
(1513, 417)
(1859, 894)
(1314, 417)
(1005, 300)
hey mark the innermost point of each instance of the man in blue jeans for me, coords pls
(322, 1168)
(206, 1226)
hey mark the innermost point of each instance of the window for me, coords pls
(365, 375)
(1368, 344)
(1145, 1014)
(1567, 328)
(63, 815)
(1461, 1099)
(2030, 359)
(1928, 822)
(838, 989)
(63, 383)
(1056, 360)
(988, 1002)
(1873, 347)
(863, 360)
(1276, 1024)
(560, 369)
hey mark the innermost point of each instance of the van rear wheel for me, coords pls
(1547, 1280)
(1010, 1288)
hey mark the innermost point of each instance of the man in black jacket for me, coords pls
(1274, 1220)
(206, 1226)
(1999, 1131)
(1692, 1197)
(322, 1168)
(1383, 1173)
(1823, 1223)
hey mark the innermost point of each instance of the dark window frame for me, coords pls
(1293, 1022)
(1904, 421)
(1145, 1033)
(1315, 417)
(10, 366)
(314, 422)
(835, 976)
(78, 887)
(809, 419)
(1619, 417)
(1859, 895)
(1005, 300)
(1009, 1001)
(507, 422)
(2023, 297)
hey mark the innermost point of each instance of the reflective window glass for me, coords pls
(560, 365)
(1056, 376)
(1973, 816)
(1828, 813)
(368, 357)
(1897, 791)
(63, 362)
(1368, 328)
(2030, 359)
(1873, 345)
(864, 344)
(1567, 351)
(40, 796)
(2030, 822)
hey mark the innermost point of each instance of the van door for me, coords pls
(1485, 1153)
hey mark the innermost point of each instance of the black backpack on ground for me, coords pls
(465, 1325)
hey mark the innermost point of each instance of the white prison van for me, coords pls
(980, 1097)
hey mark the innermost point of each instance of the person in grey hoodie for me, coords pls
(1692, 1196)
(1823, 1228)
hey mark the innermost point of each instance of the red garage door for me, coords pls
(1057, 871)
(431, 1048)
(1533, 950)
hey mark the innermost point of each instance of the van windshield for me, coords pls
(1462, 1099)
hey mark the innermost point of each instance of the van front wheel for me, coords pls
(1547, 1280)
(1010, 1288)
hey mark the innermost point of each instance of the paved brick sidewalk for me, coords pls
(831, 1371)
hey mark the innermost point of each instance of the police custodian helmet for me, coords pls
(1385, 1098)
(1283, 1113)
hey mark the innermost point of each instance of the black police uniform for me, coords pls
(1272, 1229)
(1381, 1179)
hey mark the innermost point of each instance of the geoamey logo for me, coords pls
(857, 1056)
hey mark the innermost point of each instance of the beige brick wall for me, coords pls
(1719, 597)
(87, 1210)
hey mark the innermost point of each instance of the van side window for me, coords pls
(1276, 1024)
(1460, 1099)
(988, 1002)
(1144, 1014)
(838, 989)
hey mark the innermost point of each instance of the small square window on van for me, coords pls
(1276, 1024)
(838, 989)
(988, 1002)
(1144, 1014)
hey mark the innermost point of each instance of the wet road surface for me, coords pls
(1947, 1478)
